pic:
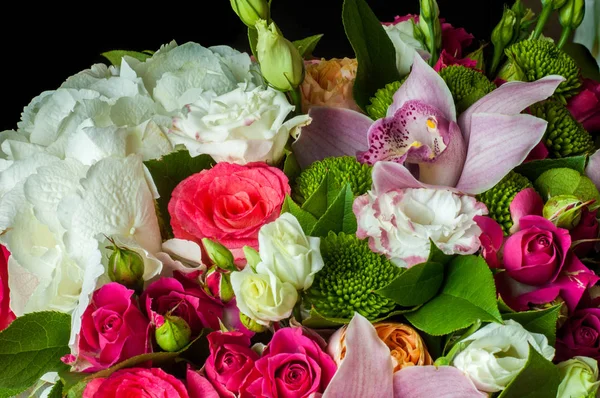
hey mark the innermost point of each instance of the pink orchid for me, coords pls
(423, 143)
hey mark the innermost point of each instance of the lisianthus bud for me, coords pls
(173, 333)
(579, 377)
(251, 324)
(556, 4)
(563, 210)
(478, 57)
(431, 28)
(503, 32)
(219, 285)
(126, 267)
(571, 14)
(250, 11)
(280, 62)
(219, 255)
(429, 9)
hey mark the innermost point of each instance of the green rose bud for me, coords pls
(251, 324)
(252, 256)
(503, 32)
(173, 334)
(218, 285)
(563, 210)
(280, 62)
(579, 377)
(429, 9)
(126, 267)
(219, 255)
(250, 11)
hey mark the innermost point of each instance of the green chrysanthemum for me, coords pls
(499, 198)
(540, 58)
(348, 282)
(564, 135)
(383, 99)
(343, 169)
(466, 85)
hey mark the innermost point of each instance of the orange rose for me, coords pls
(329, 83)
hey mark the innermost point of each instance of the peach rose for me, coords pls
(329, 83)
(406, 346)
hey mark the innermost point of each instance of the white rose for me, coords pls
(579, 377)
(405, 44)
(400, 223)
(263, 297)
(239, 127)
(496, 353)
(287, 252)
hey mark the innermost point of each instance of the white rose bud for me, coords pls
(263, 297)
(496, 353)
(579, 377)
(287, 252)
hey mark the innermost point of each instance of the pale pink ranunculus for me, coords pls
(228, 204)
(136, 382)
(292, 365)
(113, 329)
(6, 315)
(585, 106)
(329, 83)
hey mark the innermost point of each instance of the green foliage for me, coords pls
(532, 170)
(538, 379)
(564, 181)
(540, 321)
(415, 286)
(307, 46)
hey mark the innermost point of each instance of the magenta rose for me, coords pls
(136, 382)
(292, 366)
(580, 335)
(230, 361)
(585, 106)
(491, 239)
(113, 329)
(587, 228)
(6, 315)
(228, 204)
(198, 386)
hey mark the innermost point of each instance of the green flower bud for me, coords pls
(563, 210)
(252, 256)
(251, 324)
(503, 32)
(280, 62)
(250, 11)
(219, 255)
(477, 56)
(218, 285)
(431, 28)
(429, 9)
(571, 14)
(579, 377)
(126, 267)
(173, 334)
(556, 4)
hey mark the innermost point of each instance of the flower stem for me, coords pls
(539, 27)
(564, 37)
(296, 98)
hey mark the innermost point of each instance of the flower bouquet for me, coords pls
(419, 221)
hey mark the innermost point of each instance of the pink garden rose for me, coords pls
(580, 335)
(585, 106)
(230, 361)
(113, 329)
(228, 204)
(292, 366)
(6, 315)
(136, 382)
(587, 228)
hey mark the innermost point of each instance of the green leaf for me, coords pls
(541, 321)
(566, 181)
(291, 168)
(416, 285)
(468, 294)
(253, 40)
(11, 392)
(307, 46)
(318, 203)
(116, 56)
(318, 321)
(584, 59)
(31, 346)
(535, 168)
(436, 255)
(339, 217)
(168, 172)
(56, 391)
(373, 48)
(538, 379)
(307, 221)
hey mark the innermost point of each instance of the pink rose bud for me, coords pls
(219, 255)
(587, 228)
(173, 333)
(580, 336)
(219, 285)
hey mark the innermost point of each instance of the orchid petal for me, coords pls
(367, 368)
(498, 144)
(447, 167)
(593, 169)
(426, 85)
(332, 132)
(388, 176)
(432, 381)
(509, 99)
(526, 203)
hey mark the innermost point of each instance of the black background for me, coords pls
(44, 44)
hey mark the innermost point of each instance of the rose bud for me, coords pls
(251, 324)
(219, 285)
(580, 335)
(250, 11)
(126, 267)
(172, 333)
(219, 255)
(563, 210)
(587, 229)
(579, 377)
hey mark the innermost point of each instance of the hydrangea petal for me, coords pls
(432, 381)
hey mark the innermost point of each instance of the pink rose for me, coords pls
(6, 315)
(228, 203)
(587, 228)
(230, 361)
(491, 239)
(446, 59)
(292, 366)
(113, 329)
(580, 335)
(136, 382)
(198, 386)
(585, 106)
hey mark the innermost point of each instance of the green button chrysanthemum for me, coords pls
(499, 198)
(466, 85)
(343, 169)
(564, 135)
(383, 99)
(351, 275)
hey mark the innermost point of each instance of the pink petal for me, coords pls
(424, 84)
(332, 132)
(526, 203)
(446, 169)
(498, 144)
(593, 169)
(539, 152)
(432, 381)
(388, 176)
(367, 369)
(200, 387)
(509, 99)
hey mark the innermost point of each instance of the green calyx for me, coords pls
(540, 58)
(348, 282)
(564, 135)
(383, 99)
(343, 169)
(499, 198)
(466, 85)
